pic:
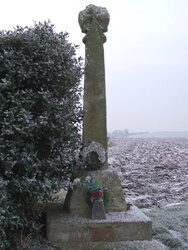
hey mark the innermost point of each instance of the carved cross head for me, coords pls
(94, 14)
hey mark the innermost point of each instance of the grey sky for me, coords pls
(146, 55)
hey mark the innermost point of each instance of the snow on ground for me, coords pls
(153, 171)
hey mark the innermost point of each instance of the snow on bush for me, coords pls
(40, 115)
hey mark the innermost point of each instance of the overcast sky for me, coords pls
(146, 55)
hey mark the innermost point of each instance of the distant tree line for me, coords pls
(119, 133)
(123, 133)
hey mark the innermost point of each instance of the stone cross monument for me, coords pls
(75, 224)
(94, 22)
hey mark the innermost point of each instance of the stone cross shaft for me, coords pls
(94, 22)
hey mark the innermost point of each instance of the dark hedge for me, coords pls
(40, 116)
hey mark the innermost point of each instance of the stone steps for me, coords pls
(72, 232)
(123, 245)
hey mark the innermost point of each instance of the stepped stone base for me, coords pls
(76, 232)
(124, 245)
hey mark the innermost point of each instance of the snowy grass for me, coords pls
(170, 225)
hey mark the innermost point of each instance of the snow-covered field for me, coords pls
(154, 176)
(153, 171)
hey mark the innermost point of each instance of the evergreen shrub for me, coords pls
(40, 116)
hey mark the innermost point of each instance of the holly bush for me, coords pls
(40, 117)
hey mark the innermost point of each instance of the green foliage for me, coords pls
(94, 187)
(40, 115)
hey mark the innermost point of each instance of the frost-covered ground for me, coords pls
(153, 171)
(154, 176)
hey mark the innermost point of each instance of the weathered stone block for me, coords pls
(76, 202)
(102, 234)
(70, 231)
(98, 212)
(110, 179)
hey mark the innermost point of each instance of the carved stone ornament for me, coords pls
(95, 14)
(94, 155)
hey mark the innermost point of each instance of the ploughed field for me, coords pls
(153, 171)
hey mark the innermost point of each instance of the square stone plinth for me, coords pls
(71, 231)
